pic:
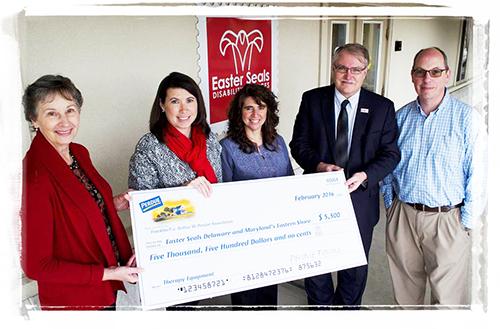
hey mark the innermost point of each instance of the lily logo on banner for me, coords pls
(241, 44)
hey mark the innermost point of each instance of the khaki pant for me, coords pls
(430, 246)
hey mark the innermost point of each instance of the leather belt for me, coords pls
(423, 207)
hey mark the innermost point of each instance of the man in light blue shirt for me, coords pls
(436, 192)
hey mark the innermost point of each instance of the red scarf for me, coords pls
(192, 151)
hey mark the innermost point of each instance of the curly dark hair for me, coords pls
(158, 119)
(236, 129)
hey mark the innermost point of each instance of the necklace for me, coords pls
(74, 163)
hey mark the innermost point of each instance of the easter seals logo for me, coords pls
(150, 204)
(239, 51)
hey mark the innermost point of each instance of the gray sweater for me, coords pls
(153, 165)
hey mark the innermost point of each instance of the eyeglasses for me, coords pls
(434, 73)
(354, 70)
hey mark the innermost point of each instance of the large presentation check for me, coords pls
(246, 235)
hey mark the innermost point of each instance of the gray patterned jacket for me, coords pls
(153, 165)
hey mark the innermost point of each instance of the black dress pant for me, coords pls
(349, 292)
(351, 282)
(264, 296)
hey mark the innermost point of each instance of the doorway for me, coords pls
(372, 33)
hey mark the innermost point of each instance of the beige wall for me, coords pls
(415, 35)
(118, 62)
(298, 64)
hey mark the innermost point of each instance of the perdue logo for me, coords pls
(150, 204)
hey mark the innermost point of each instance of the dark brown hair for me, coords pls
(158, 119)
(236, 129)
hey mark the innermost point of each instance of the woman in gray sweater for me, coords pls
(180, 149)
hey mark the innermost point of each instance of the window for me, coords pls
(339, 37)
(465, 56)
(371, 33)
(372, 38)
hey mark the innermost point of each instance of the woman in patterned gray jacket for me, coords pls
(180, 149)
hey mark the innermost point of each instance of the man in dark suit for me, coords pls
(346, 127)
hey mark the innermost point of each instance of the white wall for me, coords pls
(415, 35)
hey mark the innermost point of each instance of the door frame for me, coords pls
(354, 33)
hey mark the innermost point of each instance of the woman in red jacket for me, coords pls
(73, 242)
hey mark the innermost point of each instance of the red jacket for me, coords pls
(65, 246)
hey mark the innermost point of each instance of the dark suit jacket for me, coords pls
(373, 150)
(64, 239)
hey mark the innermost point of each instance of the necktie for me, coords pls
(341, 142)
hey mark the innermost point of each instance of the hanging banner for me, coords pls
(233, 52)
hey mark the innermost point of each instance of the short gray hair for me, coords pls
(355, 49)
(425, 49)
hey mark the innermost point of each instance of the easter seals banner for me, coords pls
(245, 235)
(232, 53)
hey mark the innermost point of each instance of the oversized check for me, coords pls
(246, 235)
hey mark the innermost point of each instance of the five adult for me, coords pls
(76, 247)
